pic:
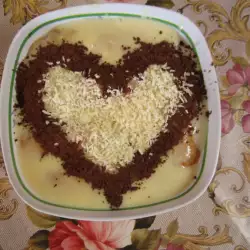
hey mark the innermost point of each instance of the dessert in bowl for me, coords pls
(109, 121)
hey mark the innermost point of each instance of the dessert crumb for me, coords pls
(208, 113)
(43, 154)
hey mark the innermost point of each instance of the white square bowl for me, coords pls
(41, 25)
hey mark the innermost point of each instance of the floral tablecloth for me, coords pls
(220, 219)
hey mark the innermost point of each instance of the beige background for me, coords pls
(220, 219)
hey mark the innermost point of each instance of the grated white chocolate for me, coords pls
(112, 129)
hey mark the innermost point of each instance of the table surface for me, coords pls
(220, 219)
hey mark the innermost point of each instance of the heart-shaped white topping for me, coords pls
(112, 129)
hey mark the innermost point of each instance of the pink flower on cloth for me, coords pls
(227, 120)
(91, 235)
(237, 76)
(171, 246)
(246, 118)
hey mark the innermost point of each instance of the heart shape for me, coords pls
(32, 100)
(111, 129)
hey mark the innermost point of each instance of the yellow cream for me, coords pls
(105, 36)
(41, 176)
(44, 176)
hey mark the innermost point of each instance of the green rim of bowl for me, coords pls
(11, 106)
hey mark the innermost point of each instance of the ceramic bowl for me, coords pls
(41, 25)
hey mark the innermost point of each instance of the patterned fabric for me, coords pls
(220, 219)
